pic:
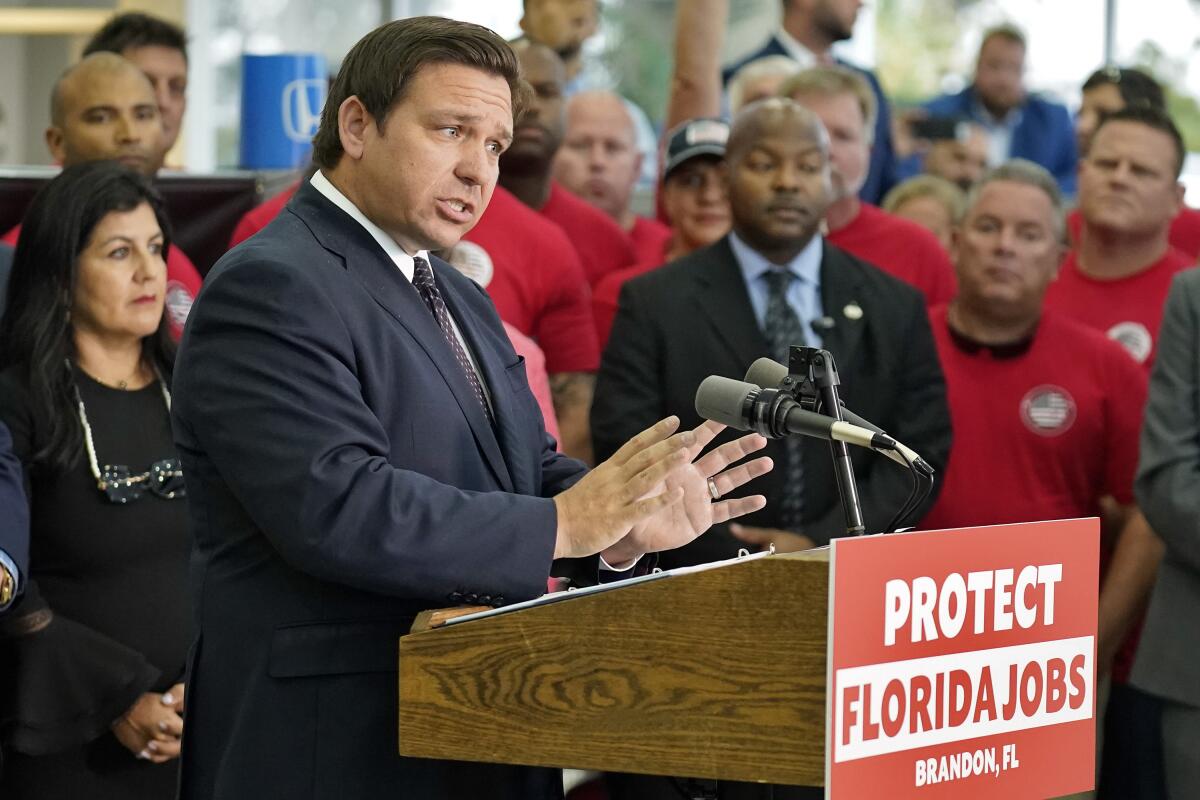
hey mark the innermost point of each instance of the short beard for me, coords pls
(831, 27)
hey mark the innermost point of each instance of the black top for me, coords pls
(112, 575)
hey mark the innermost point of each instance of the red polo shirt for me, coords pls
(1041, 431)
(901, 248)
(183, 283)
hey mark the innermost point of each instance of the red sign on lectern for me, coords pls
(962, 663)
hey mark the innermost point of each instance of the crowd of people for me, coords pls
(1006, 287)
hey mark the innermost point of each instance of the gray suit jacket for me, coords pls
(1168, 490)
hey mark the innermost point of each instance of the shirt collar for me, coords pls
(393, 250)
(1009, 121)
(999, 352)
(802, 55)
(806, 265)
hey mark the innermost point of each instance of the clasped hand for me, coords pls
(153, 725)
(653, 493)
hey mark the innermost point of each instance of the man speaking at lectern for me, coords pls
(360, 443)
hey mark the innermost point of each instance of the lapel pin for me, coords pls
(853, 311)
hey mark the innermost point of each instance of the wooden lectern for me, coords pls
(710, 674)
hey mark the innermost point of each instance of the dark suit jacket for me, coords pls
(14, 508)
(692, 318)
(882, 173)
(1168, 492)
(341, 477)
(1045, 134)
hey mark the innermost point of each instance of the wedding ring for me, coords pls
(712, 489)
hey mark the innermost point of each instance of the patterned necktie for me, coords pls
(783, 329)
(424, 283)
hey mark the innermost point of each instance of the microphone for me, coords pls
(775, 414)
(769, 372)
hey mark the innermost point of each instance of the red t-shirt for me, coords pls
(261, 215)
(1184, 234)
(606, 293)
(602, 246)
(900, 248)
(183, 283)
(649, 237)
(1039, 434)
(534, 277)
(1128, 310)
(528, 267)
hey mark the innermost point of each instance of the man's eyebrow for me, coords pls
(99, 107)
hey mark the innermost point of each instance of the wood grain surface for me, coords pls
(717, 674)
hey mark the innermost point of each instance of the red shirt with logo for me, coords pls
(183, 283)
(527, 266)
(601, 244)
(649, 237)
(1128, 309)
(1184, 234)
(1042, 430)
(900, 248)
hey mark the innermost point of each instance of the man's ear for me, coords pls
(55, 143)
(1180, 192)
(353, 122)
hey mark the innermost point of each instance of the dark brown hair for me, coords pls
(1155, 119)
(133, 30)
(380, 67)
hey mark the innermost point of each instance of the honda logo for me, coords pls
(302, 102)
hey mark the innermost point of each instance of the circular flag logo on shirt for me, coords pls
(179, 303)
(1134, 337)
(1048, 410)
(473, 261)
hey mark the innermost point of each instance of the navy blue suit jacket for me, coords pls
(14, 507)
(1045, 134)
(341, 477)
(882, 173)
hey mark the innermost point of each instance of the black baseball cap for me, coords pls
(704, 136)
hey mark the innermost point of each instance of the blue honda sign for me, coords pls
(282, 98)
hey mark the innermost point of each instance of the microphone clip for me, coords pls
(810, 369)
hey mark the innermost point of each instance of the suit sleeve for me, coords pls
(628, 396)
(1066, 156)
(921, 421)
(1168, 477)
(14, 511)
(267, 390)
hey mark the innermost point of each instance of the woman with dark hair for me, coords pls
(93, 654)
(1109, 90)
